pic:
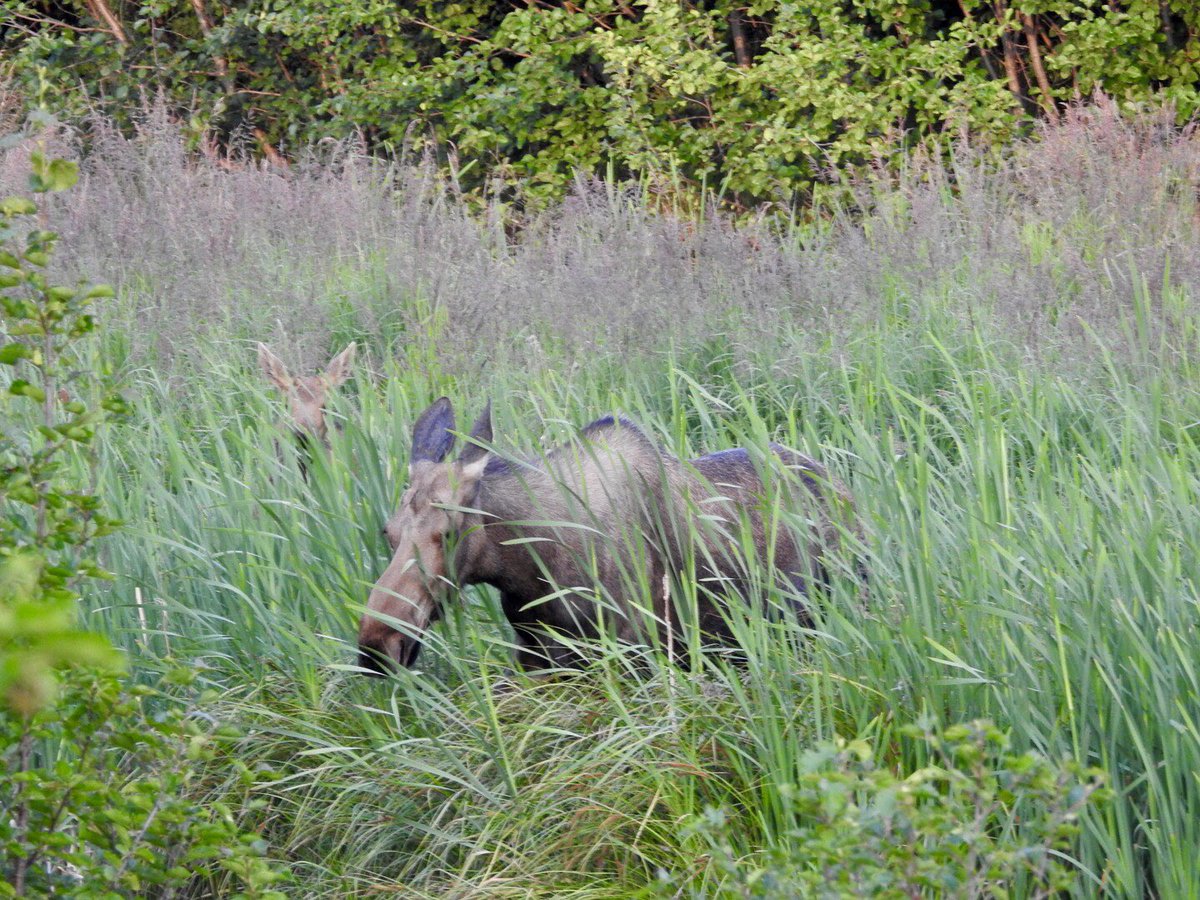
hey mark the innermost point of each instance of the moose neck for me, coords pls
(504, 496)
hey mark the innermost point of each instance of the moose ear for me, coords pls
(338, 369)
(432, 438)
(481, 435)
(274, 368)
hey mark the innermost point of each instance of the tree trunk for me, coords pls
(737, 30)
(1039, 71)
(1010, 58)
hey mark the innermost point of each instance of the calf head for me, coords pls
(307, 395)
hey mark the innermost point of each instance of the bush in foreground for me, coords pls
(95, 770)
(948, 828)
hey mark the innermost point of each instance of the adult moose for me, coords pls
(584, 538)
(307, 395)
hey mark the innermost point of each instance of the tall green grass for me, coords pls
(1034, 555)
(1001, 364)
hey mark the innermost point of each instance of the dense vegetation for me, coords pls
(1001, 363)
(97, 769)
(759, 100)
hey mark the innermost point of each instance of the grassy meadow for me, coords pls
(1000, 359)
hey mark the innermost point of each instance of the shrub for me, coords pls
(977, 821)
(757, 99)
(94, 782)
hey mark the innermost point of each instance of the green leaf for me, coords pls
(37, 617)
(22, 388)
(81, 648)
(12, 352)
(17, 206)
(51, 175)
(62, 174)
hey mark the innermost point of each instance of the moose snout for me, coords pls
(383, 650)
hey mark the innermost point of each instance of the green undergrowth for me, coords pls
(1032, 551)
(1005, 709)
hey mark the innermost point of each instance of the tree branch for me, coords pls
(21, 813)
(101, 11)
(1010, 57)
(1039, 71)
(984, 53)
(206, 27)
(56, 23)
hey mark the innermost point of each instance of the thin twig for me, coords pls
(21, 813)
(166, 634)
(141, 611)
(57, 23)
(471, 39)
(666, 595)
(137, 839)
(52, 826)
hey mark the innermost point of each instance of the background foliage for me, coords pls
(999, 357)
(758, 100)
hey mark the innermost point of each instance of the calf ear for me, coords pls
(338, 369)
(432, 437)
(481, 435)
(274, 368)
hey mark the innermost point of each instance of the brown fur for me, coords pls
(599, 522)
(307, 395)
